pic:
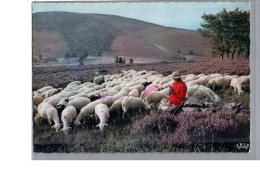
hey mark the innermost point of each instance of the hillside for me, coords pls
(56, 33)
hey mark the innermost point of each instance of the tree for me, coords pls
(83, 56)
(227, 32)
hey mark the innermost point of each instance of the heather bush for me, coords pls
(187, 128)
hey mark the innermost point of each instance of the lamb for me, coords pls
(203, 91)
(102, 111)
(133, 103)
(99, 80)
(37, 100)
(48, 112)
(67, 116)
(86, 111)
(235, 83)
(79, 102)
(120, 94)
(218, 82)
(78, 95)
(155, 97)
(117, 87)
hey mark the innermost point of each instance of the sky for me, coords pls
(170, 14)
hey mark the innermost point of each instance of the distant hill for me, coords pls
(57, 33)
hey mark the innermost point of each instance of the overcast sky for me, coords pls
(179, 15)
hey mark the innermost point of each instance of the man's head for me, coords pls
(176, 76)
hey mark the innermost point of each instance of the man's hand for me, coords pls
(172, 91)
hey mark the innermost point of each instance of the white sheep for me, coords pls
(235, 83)
(133, 103)
(53, 101)
(86, 111)
(134, 93)
(155, 97)
(35, 110)
(79, 102)
(102, 111)
(99, 80)
(52, 92)
(48, 112)
(67, 116)
(203, 91)
(139, 87)
(41, 90)
(37, 100)
(74, 83)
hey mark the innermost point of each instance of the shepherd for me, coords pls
(177, 94)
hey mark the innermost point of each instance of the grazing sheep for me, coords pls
(74, 83)
(35, 110)
(41, 90)
(235, 83)
(244, 80)
(52, 92)
(145, 84)
(117, 87)
(79, 102)
(133, 103)
(165, 80)
(86, 111)
(48, 112)
(125, 89)
(203, 91)
(67, 116)
(89, 90)
(94, 98)
(37, 100)
(120, 94)
(102, 111)
(99, 80)
(53, 101)
(62, 104)
(155, 97)
(117, 105)
(65, 93)
(166, 91)
(78, 95)
(139, 87)
(134, 93)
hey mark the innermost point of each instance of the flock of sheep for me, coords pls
(119, 93)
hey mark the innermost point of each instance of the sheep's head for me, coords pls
(56, 126)
(101, 126)
(65, 130)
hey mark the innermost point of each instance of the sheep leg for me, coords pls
(49, 120)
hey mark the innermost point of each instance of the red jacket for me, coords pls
(180, 90)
